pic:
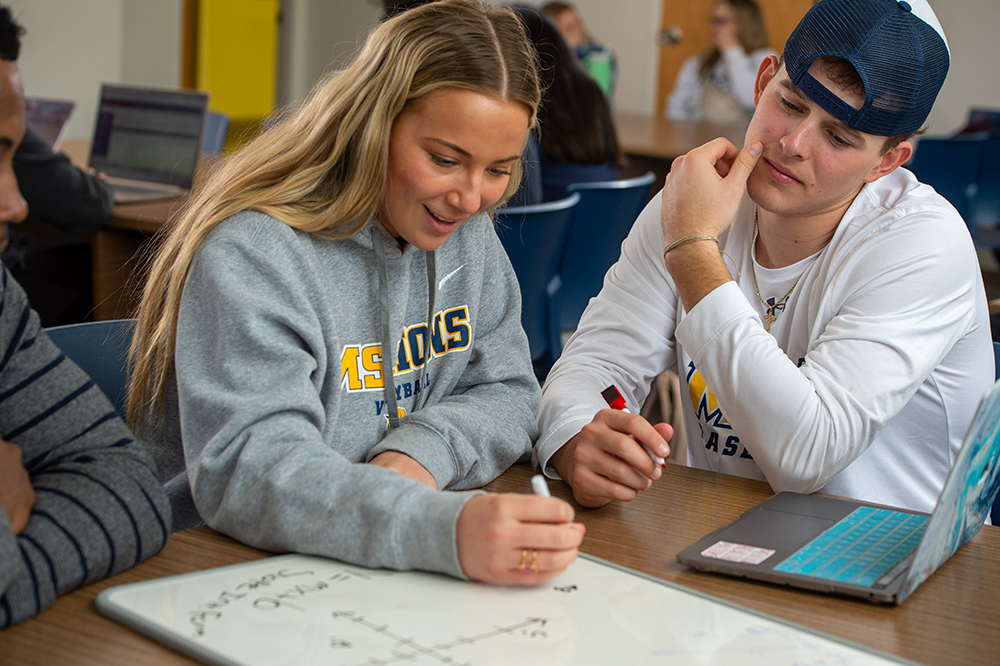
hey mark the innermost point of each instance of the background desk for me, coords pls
(951, 619)
(118, 268)
(652, 142)
(119, 256)
(646, 135)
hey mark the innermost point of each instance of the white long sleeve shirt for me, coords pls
(734, 73)
(865, 384)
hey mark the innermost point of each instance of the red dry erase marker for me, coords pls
(615, 400)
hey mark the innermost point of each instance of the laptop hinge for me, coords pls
(900, 567)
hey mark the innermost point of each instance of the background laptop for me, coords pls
(827, 544)
(147, 140)
(48, 118)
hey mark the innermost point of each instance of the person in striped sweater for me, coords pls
(79, 497)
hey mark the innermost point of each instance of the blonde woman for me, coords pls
(717, 84)
(361, 223)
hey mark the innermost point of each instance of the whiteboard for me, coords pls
(296, 609)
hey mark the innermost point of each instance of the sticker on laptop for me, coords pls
(737, 552)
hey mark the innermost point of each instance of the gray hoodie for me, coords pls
(280, 397)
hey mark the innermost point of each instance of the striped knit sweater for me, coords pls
(99, 508)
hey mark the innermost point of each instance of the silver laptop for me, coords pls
(48, 118)
(147, 140)
(858, 549)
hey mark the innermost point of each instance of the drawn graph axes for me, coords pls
(407, 649)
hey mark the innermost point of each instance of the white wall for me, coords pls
(152, 40)
(70, 47)
(317, 36)
(73, 45)
(973, 78)
(630, 28)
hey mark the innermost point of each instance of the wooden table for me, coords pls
(651, 142)
(120, 251)
(123, 247)
(951, 619)
(648, 135)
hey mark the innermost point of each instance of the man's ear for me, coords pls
(768, 68)
(890, 161)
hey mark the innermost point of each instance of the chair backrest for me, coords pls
(100, 348)
(950, 165)
(984, 212)
(216, 131)
(982, 120)
(605, 215)
(534, 238)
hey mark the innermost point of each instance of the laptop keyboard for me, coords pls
(864, 548)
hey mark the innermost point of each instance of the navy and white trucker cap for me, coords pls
(898, 49)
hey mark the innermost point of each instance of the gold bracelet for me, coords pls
(689, 239)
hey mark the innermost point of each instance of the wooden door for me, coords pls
(685, 23)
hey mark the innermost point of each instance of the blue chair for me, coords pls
(950, 165)
(216, 131)
(101, 349)
(534, 237)
(984, 207)
(603, 219)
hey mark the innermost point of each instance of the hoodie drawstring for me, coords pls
(388, 364)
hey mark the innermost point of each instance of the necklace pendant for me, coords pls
(769, 319)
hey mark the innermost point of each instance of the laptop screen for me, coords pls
(48, 118)
(149, 134)
(968, 493)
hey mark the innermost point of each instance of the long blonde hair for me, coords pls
(323, 169)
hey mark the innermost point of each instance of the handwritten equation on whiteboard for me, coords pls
(297, 609)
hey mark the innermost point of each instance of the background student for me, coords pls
(79, 499)
(576, 140)
(333, 327)
(717, 84)
(69, 200)
(841, 342)
(595, 57)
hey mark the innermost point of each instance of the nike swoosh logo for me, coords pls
(449, 276)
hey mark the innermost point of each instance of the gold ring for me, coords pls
(528, 567)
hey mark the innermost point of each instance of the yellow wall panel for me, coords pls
(237, 55)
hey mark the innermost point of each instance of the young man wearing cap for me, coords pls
(824, 309)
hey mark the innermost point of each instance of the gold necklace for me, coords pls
(773, 307)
